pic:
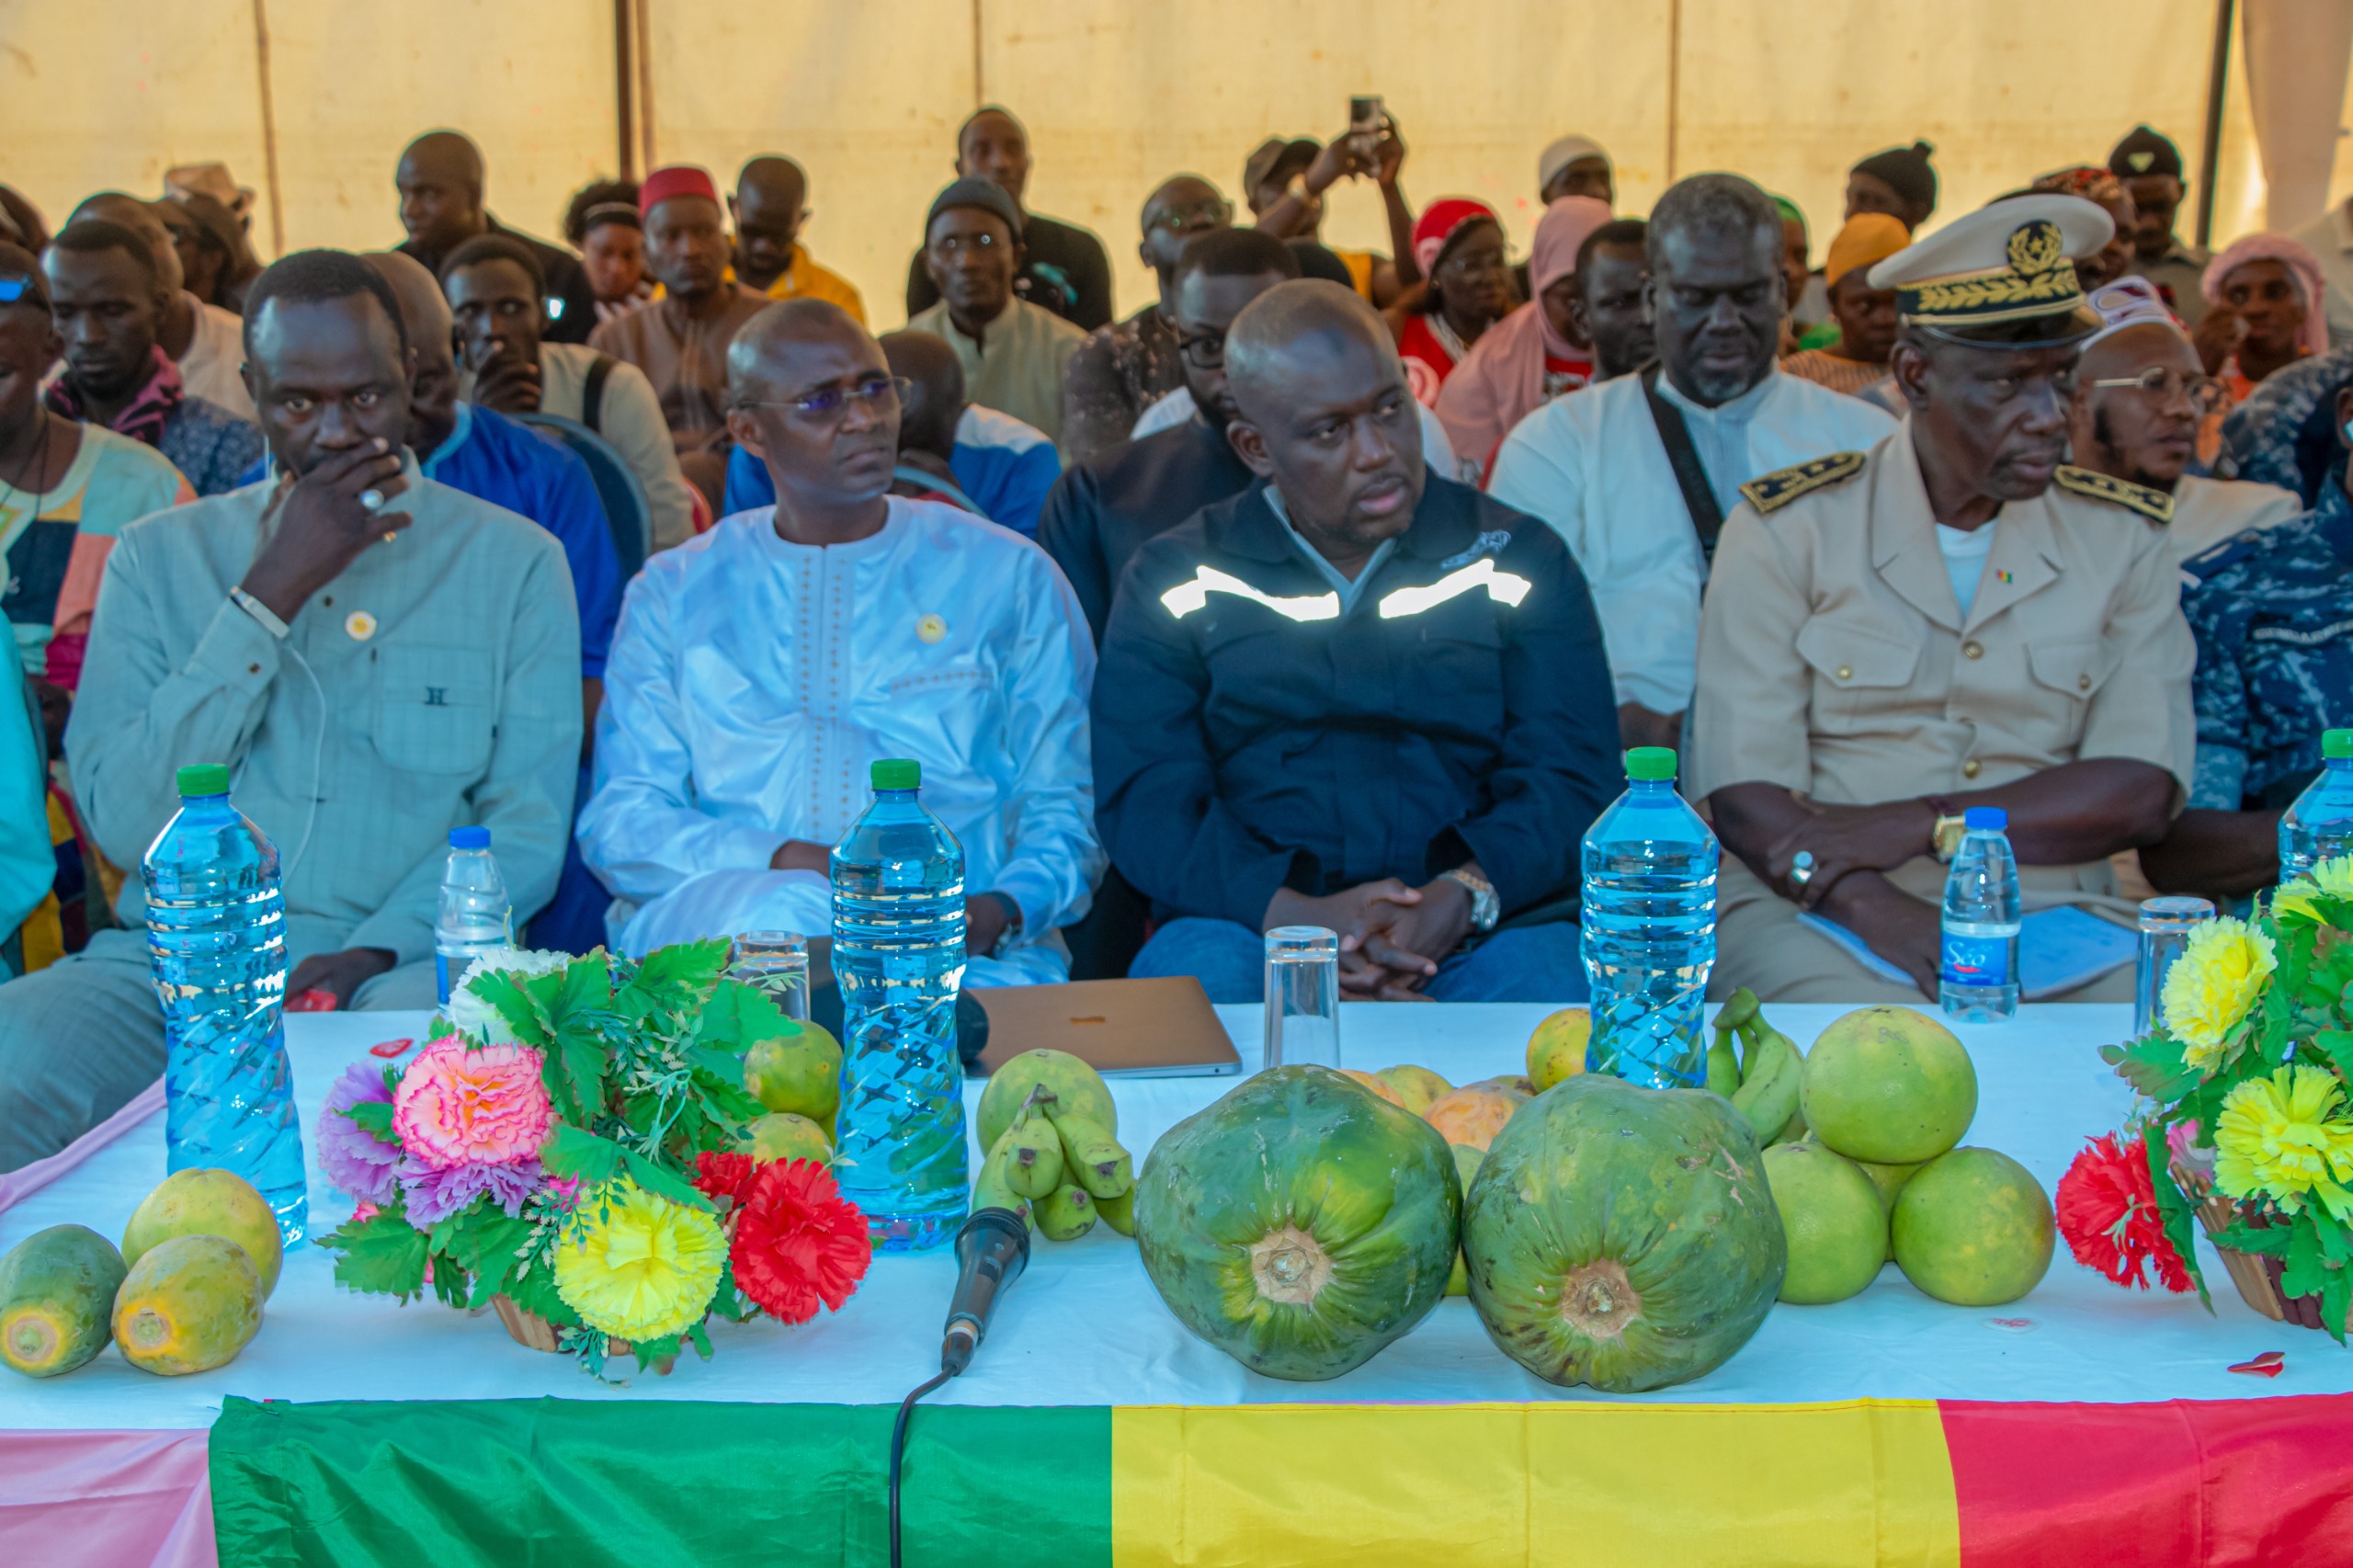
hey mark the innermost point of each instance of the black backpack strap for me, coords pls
(1690, 474)
(592, 393)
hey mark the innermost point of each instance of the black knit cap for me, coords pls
(2144, 152)
(973, 191)
(1906, 171)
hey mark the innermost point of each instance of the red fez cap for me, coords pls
(679, 179)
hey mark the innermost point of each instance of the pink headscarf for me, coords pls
(2302, 265)
(1501, 381)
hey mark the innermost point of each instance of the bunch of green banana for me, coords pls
(1059, 1170)
(1762, 1080)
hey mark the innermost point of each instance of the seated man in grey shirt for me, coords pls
(372, 678)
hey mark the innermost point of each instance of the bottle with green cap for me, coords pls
(1649, 929)
(898, 880)
(2319, 827)
(216, 940)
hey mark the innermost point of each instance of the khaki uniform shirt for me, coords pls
(1834, 660)
(2208, 511)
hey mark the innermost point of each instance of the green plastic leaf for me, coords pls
(536, 1292)
(738, 1016)
(700, 1340)
(581, 1155)
(2336, 1046)
(2303, 1274)
(442, 1029)
(515, 1005)
(2174, 1208)
(654, 1350)
(2154, 1065)
(2270, 1240)
(653, 1178)
(690, 969)
(2335, 1296)
(383, 1256)
(375, 1119)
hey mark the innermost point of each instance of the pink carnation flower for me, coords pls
(458, 1103)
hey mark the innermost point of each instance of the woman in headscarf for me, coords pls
(2263, 314)
(1532, 355)
(1459, 245)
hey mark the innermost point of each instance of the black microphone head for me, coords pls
(999, 1235)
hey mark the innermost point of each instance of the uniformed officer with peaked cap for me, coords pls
(1953, 618)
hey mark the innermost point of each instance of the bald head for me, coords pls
(1323, 411)
(1303, 322)
(1182, 208)
(812, 396)
(935, 397)
(425, 318)
(140, 219)
(762, 358)
(440, 180)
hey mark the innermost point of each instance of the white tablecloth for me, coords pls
(1083, 1326)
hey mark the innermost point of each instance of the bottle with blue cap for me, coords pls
(898, 879)
(216, 940)
(475, 916)
(1978, 970)
(2319, 825)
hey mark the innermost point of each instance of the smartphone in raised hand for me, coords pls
(1364, 125)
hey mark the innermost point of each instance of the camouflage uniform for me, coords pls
(2285, 433)
(2273, 616)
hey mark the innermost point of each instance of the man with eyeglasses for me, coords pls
(1637, 474)
(1099, 514)
(761, 667)
(1015, 354)
(1357, 695)
(2141, 394)
(1123, 369)
(1953, 619)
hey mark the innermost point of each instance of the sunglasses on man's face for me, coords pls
(15, 287)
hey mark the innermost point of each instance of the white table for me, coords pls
(1083, 1326)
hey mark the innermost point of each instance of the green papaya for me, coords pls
(56, 1297)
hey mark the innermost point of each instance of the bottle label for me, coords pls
(1976, 961)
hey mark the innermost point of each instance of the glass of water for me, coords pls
(1302, 997)
(776, 962)
(2165, 925)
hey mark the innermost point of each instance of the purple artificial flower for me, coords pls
(435, 1195)
(355, 1159)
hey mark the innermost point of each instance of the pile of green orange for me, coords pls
(1886, 1096)
(183, 1294)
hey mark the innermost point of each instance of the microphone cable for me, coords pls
(898, 1453)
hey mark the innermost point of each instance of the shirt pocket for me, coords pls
(1855, 666)
(433, 712)
(2075, 668)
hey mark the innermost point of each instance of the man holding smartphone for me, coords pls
(1286, 181)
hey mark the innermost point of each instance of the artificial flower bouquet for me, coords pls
(564, 1148)
(2246, 1122)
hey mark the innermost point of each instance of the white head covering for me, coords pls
(2130, 302)
(1564, 153)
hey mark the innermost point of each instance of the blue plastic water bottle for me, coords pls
(1649, 936)
(1978, 970)
(216, 936)
(899, 958)
(2319, 827)
(473, 917)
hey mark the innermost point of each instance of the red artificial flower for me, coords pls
(2108, 1211)
(718, 1174)
(798, 1241)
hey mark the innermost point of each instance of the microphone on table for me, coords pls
(991, 1252)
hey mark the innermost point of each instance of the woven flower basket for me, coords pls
(535, 1332)
(2256, 1274)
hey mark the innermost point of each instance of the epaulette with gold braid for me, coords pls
(1778, 489)
(2154, 505)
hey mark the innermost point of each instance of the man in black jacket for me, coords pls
(1356, 695)
(1100, 513)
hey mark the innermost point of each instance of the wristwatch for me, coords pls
(1945, 838)
(1485, 907)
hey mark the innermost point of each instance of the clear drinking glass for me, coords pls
(2165, 925)
(1302, 997)
(776, 962)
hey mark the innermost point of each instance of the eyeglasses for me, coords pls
(830, 402)
(16, 287)
(2204, 393)
(1177, 220)
(1203, 351)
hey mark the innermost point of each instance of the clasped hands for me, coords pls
(1392, 937)
(1843, 839)
(984, 917)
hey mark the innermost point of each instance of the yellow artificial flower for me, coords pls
(2211, 985)
(2333, 879)
(2276, 1137)
(638, 1266)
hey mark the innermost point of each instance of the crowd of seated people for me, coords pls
(1326, 587)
